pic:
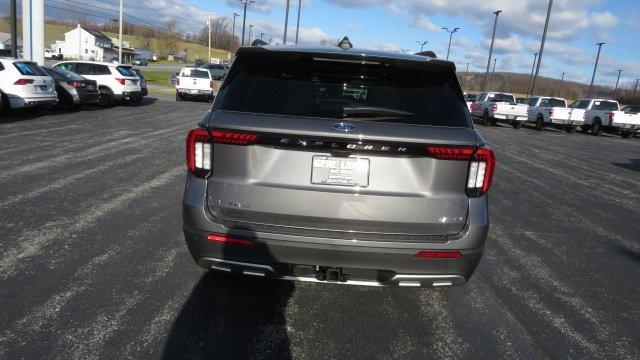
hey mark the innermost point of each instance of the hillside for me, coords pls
(55, 32)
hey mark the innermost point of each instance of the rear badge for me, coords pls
(451, 219)
(344, 127)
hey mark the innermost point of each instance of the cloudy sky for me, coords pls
(576, 25)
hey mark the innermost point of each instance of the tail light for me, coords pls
(226, 239)
(528, 109)
(482, 164)
(474, 106)
(74, 84)
(177, 81)
(494, 107)
(439, 255)
(23, 82)
(551, 112)
(200, 147)
(611, 116)
(121, 81)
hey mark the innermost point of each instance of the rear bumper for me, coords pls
(630, 127)
(20, 102)
(129, 95)
(567, 122)
(188, 92)
(290, 257)
(510, 117)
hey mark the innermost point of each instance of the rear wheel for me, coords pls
(596, 128)
(106, 96)
(516, 124)
(626, 134)
(539, 123)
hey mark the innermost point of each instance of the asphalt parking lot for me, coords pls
(93, 262)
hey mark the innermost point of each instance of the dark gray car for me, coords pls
(331, 165)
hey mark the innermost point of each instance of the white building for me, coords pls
(87, 44)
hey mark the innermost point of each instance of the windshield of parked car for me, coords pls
(326, 88)
(29, 68)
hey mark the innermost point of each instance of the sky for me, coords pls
(398, 25)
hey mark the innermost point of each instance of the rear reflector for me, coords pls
(225, 239)
(439, 255)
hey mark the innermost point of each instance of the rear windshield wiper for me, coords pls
(373, 112)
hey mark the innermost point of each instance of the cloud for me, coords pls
(604, 20)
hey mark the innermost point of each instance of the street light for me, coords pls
(298, 26)
(209, 23)
(595, 68)
(422, 44)
(544, 37)
(493, 37)
(450, 36)
(233, 30)
(244, 16)
(286, 22)
(618, 80)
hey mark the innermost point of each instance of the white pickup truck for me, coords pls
(545, 110)
(496, 106)
(195, 82)
(607, 113)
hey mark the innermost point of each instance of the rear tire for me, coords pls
(584, 129)
(539, 123)
(626, 134)
(106, 96)
(596, 128)
(516, 124)
(6, 105)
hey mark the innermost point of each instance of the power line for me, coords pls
(113, 10)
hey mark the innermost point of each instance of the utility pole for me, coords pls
(493, 72)
(450, 37)
(466, 76)
(561, 83)
(493, 37)
(422, 44)
(595, 68)
(209, 22)
(618, 80)
(286, 22)
(544, 37)
(14, 29)
(233, 30)
(120, 33)
(535, 56)
(244, 17)
(298, 26)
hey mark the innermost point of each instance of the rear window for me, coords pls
(556, 103)
(126, 71)
(605, 105)
(631, 109)
(501, 98)
(29, 68)
(317, 87)
(196, 73)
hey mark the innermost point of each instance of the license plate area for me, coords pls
(339, 171)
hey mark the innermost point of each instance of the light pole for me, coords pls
(233, 30)
(466, 76)
(618, 80)
(298, 26)
(493, 37)
(422, 44)
(561, 83)
(14, 29)
(286, 22)
(544, 37)
(261, 35)
(595, 68)
(535, 56)
(450, 37)
(250, 28)
(493, 72)
(120, 33)
(244, 16)
(209, 22)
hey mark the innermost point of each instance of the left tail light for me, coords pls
(482, 164)
(23, 82)
(122, 81)
(200, 147)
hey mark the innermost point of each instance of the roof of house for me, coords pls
(98, 35)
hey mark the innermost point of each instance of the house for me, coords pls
(128, 53)
(84, 44)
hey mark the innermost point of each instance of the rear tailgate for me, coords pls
(622, 119)
(277, 183)
(559, 113)
(507, 109)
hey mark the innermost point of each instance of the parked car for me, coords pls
(24, 84)
(51, 54)
(143, 82)
(139, 62)
(115, 82)
(174, 77)
(545, 110)
(603, 114)
(291, 177)
(632, 127)
(218, 71)
(195, 82)
(73, 89)
(496, 106)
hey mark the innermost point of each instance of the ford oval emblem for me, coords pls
(344, 127)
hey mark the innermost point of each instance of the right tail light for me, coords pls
(494, 107)
(551, 112)
(482, 163)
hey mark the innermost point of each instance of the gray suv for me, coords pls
(344, 166)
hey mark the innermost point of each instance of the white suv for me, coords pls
(115, 82)
(24, 84)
